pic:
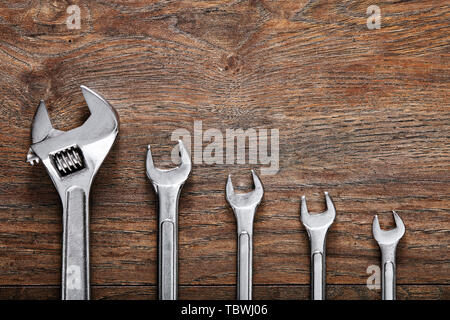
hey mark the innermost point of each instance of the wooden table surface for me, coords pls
(363, 114)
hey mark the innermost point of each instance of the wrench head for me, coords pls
(245, 200)
(80, 151)
(321, 220)
(388, 237)
(169, 177)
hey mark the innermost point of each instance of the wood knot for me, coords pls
(232, 64)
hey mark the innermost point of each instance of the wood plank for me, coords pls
(265, 292)
(363, 114)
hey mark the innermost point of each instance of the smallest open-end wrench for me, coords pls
(317, 227)
(244, 207)
(388, 240)
(167, 185)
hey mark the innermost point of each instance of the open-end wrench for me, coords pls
(244, 207)
(387, 240)
(72, 159)
(167, 185)
(317, 227)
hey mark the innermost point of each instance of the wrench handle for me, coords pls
(167, 261)
(388, 270)
(75, 264)
(318, 275)
(168, 197)
(388, 280)
(244, 285)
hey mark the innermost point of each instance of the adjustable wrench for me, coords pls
(317, 227)
(72, 159)
(167, 185)
(244, 207)
(388, 240)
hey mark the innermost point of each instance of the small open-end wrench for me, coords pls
(244, 207)
(167, 185)
(72, 159)
(388, 240)
(317, 227)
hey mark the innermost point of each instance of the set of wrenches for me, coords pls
(72, 159)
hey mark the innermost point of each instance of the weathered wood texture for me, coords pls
(361, 113)
(220, 292)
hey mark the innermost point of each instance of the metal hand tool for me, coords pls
(72, 159)
(167, 185)
(244, 207)
(387, 240)
(317, 227)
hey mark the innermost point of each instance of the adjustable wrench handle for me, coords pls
(75, 264)
(245, 252)
(168, 197)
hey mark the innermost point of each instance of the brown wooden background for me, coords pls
(363, 114)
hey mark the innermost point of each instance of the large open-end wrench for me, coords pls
(388, 240)
(244, 207)
(317, 227)
(72, 159)
(167, 185)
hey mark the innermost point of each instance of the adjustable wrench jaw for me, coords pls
(74, 157)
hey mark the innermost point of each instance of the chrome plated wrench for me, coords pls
(317, 227)
(72, 159)
(167, 185)
(244, 207)
(388, 240)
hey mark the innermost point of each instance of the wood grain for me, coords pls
(363, 114)
(220, 292)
